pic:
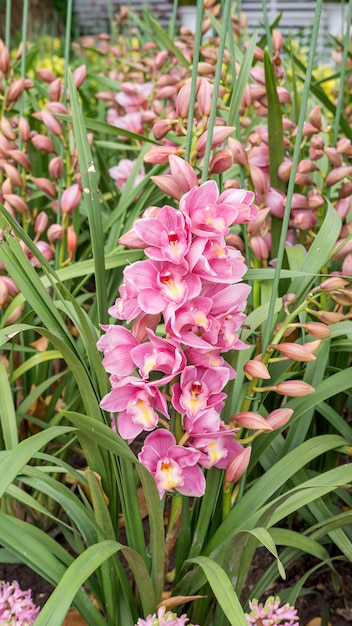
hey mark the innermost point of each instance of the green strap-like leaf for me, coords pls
(223, 590)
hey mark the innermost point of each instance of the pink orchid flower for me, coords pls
(166, 235)
(219, 448)
(117, 344)
(126, 307)
(199, 389)
(242, 201)
(173, 467)
(161, 355)
(122, 172)
(217, 263)
(136, 403)
(159, 284)
(205, 214)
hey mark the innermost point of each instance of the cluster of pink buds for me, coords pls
(271, 613)
(164, 618)
(35, 200)
(174, 375)
(16, 606)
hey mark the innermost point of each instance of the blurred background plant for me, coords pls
(142, 118)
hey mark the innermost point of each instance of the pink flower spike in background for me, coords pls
(271, 613)
(16, 606)
(164, 618)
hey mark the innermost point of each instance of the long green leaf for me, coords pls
(55, 609)
(8, 419)
(92, 202)
(16, 458)
(222, 589)
(241, 81)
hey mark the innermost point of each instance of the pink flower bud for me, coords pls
(167, 92)
(13, 174)
(24, 129)
(160, 154)
(55, 233)
(238, 465)
(161, 58)
(305, 166)
(55, 90)
(284, 170)
(72, 240)
(303, 179)
(238, 151)
(317, 329)
(7, 186)
(161, 128)
(347, 265)
(259, 247)
(329, 317)
(299, 201)
(4, 60)
(51, 123)
(221, 161)
(46, 75)
(294, 388)
(343, 145)
(7, 129)
(345, 190)
(251, 420)
(15, 90)
(182, 100)
(143, 322)
(334, 156)
(168, 184)
(294, 351)
(183, 173)
(279, 418)
(79, 75)
(220, 134)
(332, 283)
(57, 107)
(315, 200)
(46, 251)
(344, 249)
(205, 69)
(315, 117)
(16, 202)
(256, 369)
(4, 294)
(277, 39)
(45, 185)
(41, 142)
(70, 198)
(41, 223)
(204, 96)
(56, 167)
(338, 174)
(21, 158)
(259, 179)
(15, 315)
(308, 129)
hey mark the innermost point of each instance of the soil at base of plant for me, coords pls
(319, 585)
